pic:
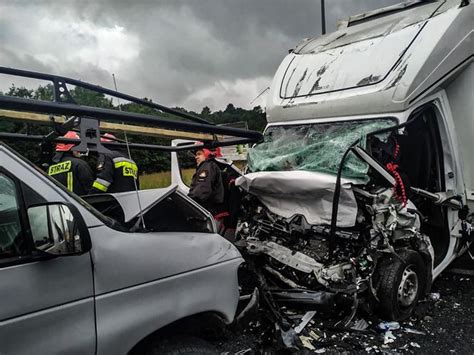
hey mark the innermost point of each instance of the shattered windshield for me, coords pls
(314, 147)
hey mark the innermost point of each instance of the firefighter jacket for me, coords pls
(74, 173)
(115, 173)
(207, 187)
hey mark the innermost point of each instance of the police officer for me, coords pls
(69, 169)
(115, 172)
(206, 186)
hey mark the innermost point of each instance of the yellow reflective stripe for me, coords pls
(125, 163)
(129, 169)
(97, 185)
(70, 182)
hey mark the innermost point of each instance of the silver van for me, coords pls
(134, 272)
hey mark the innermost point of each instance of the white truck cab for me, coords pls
(409, 67)
(390, 64)
(405, 196)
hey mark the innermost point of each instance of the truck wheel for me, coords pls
(400, 284)
(182, 346)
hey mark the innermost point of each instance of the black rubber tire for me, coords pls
(182, 345)
(390, 273)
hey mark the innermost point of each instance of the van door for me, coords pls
(47, 306)
(176, 168)
(446, 238)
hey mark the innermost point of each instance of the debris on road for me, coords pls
(435, 326)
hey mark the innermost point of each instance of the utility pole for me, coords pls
(323, 18)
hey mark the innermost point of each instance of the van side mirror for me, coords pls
(58, 229)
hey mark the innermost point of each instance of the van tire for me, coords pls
(400, 284)
(182, 345)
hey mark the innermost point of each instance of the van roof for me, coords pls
(377, 62)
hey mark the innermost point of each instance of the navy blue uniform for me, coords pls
(115, 173)
(74, 173)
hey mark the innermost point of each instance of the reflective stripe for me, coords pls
(129, 168)
(97, 185)
(103, 182)
(120, 159)
(70, 182)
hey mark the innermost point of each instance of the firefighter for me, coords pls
(69, 169)
(207, 187)
(115, 171)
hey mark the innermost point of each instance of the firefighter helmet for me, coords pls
(66, 147)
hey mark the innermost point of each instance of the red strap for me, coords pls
(399, 187)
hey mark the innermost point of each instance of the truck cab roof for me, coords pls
(375, 63)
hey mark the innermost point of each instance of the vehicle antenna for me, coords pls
(130, 157)
(323, 18)
(263, 91)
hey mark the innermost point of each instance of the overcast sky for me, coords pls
(188, 53)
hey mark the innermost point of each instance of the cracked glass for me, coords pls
(315, 147)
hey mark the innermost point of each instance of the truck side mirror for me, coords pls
(58, 229)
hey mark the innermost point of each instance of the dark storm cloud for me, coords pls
(187, 53)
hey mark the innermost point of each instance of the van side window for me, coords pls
(11, 233)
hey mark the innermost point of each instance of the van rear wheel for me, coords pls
(182, 345)
(401, 283)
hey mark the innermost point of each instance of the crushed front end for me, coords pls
(377, 261)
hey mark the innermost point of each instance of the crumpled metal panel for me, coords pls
(310, 194)
(322, 70)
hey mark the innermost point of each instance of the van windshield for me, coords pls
(314, 147)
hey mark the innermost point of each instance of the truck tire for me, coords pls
(400, 284)
(182, 345)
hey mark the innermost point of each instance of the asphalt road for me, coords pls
(443, 323)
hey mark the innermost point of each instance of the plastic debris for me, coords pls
(307, 342)
(415, 345)
(388, 337)
(320, 351)
(289, 338)
(360, 324)
(304, 321)
(413, 331)
(389, 326)
(434, 296)
(314, 335)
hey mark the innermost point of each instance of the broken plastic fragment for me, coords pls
(360, 324)
(307, 342)
(415, 345)
(389, 326)
(304, 321)
(413, 331)
(388, 337)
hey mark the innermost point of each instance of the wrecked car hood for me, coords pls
(125, 259)
(310, 194)
(148, 198)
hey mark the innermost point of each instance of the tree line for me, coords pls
(148, 161)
